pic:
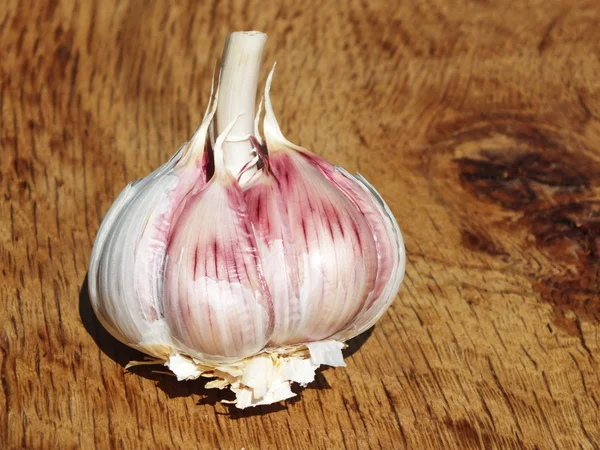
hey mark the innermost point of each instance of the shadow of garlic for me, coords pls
(249, 261)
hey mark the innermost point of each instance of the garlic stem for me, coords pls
(240, 69)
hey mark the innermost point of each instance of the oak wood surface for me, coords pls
(478, 121)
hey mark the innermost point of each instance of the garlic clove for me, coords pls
(321, 258)
(216, 299)
(128, 257)
(338, 260)
(130, 263)
(386, 232)
(363, 201)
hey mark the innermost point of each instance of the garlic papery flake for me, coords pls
(246, 260)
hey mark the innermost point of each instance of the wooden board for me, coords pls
(478, 121)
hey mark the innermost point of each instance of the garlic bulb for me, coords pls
(245, 260)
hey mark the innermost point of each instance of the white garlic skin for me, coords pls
(220, 270)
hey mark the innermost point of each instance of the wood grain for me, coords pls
(478, 121)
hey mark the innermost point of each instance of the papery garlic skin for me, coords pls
(254, 274)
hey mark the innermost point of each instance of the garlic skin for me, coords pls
(254, 275)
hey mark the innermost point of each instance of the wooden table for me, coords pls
(478, 121)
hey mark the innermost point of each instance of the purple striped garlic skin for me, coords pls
(217, 301)
(327, 254)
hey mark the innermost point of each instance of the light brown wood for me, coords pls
(478, 121)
